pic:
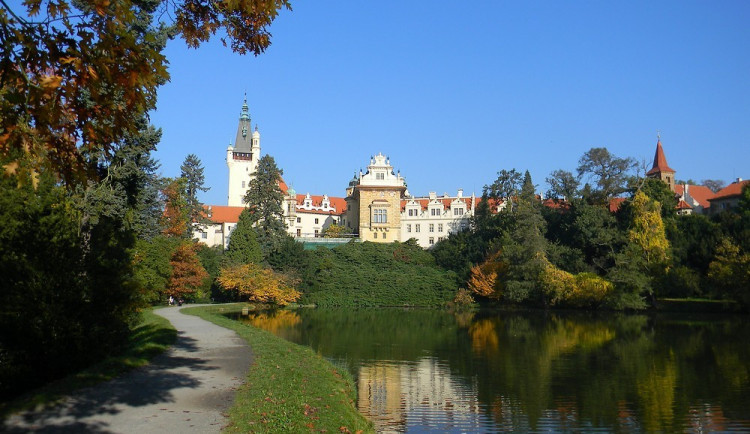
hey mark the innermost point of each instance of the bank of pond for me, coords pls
(526, 370)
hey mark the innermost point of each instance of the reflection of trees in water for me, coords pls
(619, 371)
(571, 370)
(279, 322)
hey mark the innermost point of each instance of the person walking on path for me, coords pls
(187, 389)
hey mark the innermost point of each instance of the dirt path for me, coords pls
(186, 389)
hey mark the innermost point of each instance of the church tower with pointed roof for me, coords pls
(242, 158)
(661, 169)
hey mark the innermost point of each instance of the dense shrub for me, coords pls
(370, 274)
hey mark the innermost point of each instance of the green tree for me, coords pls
(525, 248)
(192, 171)
(730, 272)
(151, 266)
(562, 185)
(335, 231)
(264, 201)
(506, 187)
(75, 77)
(243, 245)
(609, 173)
(659, 191)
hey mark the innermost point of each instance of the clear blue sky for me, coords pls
(454, 92)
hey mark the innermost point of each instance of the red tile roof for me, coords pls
(701, 193)
(224, 214)
(660, 161)
(683, 205)
(731, 190)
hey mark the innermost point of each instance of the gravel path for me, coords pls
(186, 389)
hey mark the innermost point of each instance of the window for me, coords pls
(412, 213)
(440, 239)
(432, 240)
(380, 215)
(217, 231)
(299, 232)
(299, 219)
(432, 227)
(380, 175)
(458, 211)
(204, 235)
(316, 221)
(385, 235)
(316, 233)
(440, 227)
(375, 235)
(243, 184)
(408, 228)
(435, 212)
(416, 227)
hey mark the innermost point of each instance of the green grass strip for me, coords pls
(152, 336)
(289, 388)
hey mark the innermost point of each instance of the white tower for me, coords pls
(242, 159)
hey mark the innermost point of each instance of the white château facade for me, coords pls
(377, 206)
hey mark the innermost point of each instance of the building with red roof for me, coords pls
(728, 197)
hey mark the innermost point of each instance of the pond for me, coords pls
(434, 371)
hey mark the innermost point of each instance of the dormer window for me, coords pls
(380, 176)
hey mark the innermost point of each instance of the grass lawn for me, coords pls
(289, 388)
(152, 336)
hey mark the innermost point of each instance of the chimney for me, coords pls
(460, 193)
(739, 180)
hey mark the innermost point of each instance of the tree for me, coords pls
(243, 245)
(730, 272)
(609, 173)
(259, 284)
(175, 218)
(714, 184)
(192, 171)
(562, 185)
(75, 78)
(265, 203)
(525, 248)
(335, 231)
(188, 274)
(506, 186)
(659, 191)
(152, 269)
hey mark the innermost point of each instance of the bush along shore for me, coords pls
(289, 388)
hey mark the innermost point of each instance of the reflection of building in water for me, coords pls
(395, 396)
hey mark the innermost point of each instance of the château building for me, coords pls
(377, 206)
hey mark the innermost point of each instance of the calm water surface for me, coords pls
(433, 371)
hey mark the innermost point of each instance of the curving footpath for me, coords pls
(186, 389)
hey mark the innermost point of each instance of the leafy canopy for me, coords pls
(76, 77)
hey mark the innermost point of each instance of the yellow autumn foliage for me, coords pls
(648, 230)
(579, 290)
(259, 284)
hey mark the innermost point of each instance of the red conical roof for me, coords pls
(660, 161)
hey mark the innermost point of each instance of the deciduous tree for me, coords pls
(75, 77)
(188, 275)
(609, 173)
(259, 284)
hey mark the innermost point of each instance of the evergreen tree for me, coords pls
(243, 242)
(192, 171)
(525, 248)
(265, 202)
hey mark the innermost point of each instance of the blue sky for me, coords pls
(453, 92)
